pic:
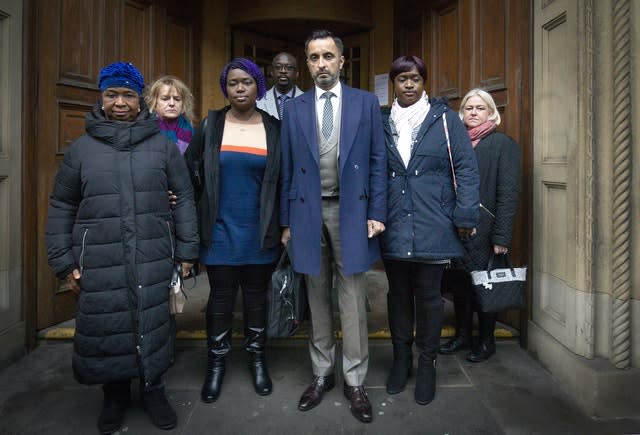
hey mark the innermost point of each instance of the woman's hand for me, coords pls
(499, 249)
(466, 234)
(72, 281)
(286, 236)
(173, 199)
(374, 228)
(186, 269)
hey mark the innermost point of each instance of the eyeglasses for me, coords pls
(280, 67)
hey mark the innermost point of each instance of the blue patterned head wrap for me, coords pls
(121, 75)
(250, 68)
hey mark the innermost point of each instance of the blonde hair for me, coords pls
(487, 98)
(151, 96)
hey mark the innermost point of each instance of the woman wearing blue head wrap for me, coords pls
(113, 237)
(235, 164)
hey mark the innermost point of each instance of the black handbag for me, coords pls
(500, 289)
(287, 299)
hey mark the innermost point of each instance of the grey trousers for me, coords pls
(352, 305)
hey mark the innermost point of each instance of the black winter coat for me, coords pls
(423, 208)
(499, 163)
(203, 159)
(109, 216)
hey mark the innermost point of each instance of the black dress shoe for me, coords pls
(484, 351)
(360, 405)
(312, 396)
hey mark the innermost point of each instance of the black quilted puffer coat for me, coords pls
(109, 216)
(499, 163)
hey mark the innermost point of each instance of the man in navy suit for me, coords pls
(333, 206)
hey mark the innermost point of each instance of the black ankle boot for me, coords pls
(157, 407)
(401, 318)
(429, 314)
(482, 353)
(400, 371)
(459, 342)
(254, 345)
(463, 306)
(218, 347)
(425, 381)
(117, 398)
(487, 345)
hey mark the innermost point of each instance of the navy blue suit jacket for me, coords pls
(363, 180)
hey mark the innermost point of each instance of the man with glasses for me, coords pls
(284, 72)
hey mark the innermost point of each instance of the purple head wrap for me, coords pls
(121, 75)
(250, 68)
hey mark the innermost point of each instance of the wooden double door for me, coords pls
(75, 39)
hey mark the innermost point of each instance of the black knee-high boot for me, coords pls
(255, 319)
(463, 306)
(487, 343)
(255, 346)
(401, 328)
(429, 314)
(218, 346)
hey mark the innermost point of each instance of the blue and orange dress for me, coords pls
(235, 238)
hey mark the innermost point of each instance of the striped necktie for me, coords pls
(281, 100)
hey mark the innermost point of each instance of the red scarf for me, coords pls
(479, 132)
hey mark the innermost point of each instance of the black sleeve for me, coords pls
(194, 158)
(507, 191)
(63, 206)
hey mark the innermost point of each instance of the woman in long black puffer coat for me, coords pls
(112, 235)
(499, 164)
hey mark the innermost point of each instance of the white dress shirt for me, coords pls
(335, 102)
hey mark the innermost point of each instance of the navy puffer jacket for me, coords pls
(109, 216)
(423, 208)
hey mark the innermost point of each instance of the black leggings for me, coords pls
(224, 282)
(414, 293)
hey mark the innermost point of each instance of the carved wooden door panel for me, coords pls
(76, 39)
(563, 303)
(71, 53)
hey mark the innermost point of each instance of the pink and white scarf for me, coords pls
(406, 120)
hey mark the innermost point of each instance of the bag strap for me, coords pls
(446, 133)
(507, 258)
(284, 258)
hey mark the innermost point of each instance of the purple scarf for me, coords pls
(178, 130)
